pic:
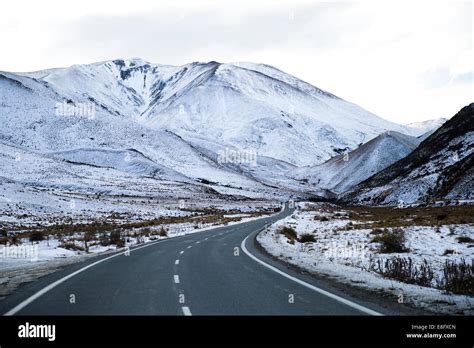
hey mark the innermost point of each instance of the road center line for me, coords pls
(51, 286)
(176, 279)
(309, 286)
(176, 262)
(181, 252)
(190, 246)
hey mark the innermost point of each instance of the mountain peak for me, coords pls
(242, 105)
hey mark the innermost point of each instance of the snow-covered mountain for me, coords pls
(239, 105)
(440, 168)
(428, 126)
(174, 123)
(343, 172)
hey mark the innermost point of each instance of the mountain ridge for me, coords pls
(181, 117)
(441, 167)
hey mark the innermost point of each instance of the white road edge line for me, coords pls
(51, 286)
(176, 279)
(309, 286)
(176, 262)
(186, 310)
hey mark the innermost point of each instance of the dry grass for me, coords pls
(115, 224)
(382, 217)
(289, 233)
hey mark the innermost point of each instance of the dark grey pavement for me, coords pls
(198, 274)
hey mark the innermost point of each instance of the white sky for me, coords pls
(406, 61)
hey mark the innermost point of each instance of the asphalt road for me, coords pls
(205, 273)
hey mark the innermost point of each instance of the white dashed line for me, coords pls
(186, 310)
(176, 279)
(176, 262)
(198, 242)
(190, 246)
(181, 252)
(51, 286)
(206, 238)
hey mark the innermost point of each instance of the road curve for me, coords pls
(215, 272)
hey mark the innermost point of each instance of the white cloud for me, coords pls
(405, 61)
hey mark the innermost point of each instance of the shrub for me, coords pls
(120, 243)
(448, 252)
(458, 278)
(391, 241)
(89, 235)
(71, 246)
(404, 270)
(464, 239)
(163, 232)
(289, 232)
(115, 238)
(377, 231)
(14, 240)
(104, 239)
(146, 230)
(307, 238)
(36, 236)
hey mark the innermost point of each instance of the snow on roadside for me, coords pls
(29, 261)
(52, 248)
(345, 254)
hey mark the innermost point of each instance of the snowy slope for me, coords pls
(246, 108)
(240, 105)
(172, 123)
(107, 140)
(423, 127)
(345, 171)
(442, 167)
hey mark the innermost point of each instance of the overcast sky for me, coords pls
(405, 61)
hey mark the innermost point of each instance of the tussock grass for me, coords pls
(404, 270)
(307, 238)
(456, 277)
(381, 217)
(391, 241)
